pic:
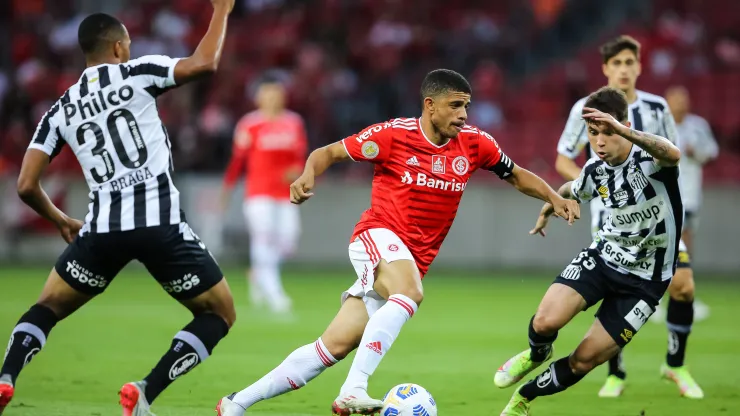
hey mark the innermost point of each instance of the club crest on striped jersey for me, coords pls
(460, 165)
(438, 163)
(370, 150)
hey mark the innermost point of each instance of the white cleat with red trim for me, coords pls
(356, 402)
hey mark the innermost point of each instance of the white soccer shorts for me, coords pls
(365, 253)
(273, 220)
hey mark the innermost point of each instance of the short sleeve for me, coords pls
(372, 144)
(46, 137)
(152, 70)
(583, 188)
(574, 138)
(670, 130)
(492, 158)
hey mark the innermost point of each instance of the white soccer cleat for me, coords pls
(701, 311)
(133, 400)
(226, 407)
(356, 402)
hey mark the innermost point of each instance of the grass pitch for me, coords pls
(468, 325)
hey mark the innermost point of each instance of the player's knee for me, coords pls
(545, 324)
(682, 289)
(338, 348)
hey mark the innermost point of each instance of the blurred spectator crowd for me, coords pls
(351, 63)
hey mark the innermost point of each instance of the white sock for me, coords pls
(266, 269)
(381, 330)
(300, 367)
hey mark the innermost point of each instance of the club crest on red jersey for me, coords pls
(460, 165)
(370, 150)
(438, 163)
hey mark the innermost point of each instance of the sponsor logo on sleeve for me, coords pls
(370, 150)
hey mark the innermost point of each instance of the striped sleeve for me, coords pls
(574, 138)
(47, 137)
(583, 187)
(157, 71)
(492, 158)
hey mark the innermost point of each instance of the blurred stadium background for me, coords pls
(349, 64)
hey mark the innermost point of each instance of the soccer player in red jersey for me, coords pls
(422, 167)
(272, 142)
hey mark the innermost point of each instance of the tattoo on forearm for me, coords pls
(655, 145)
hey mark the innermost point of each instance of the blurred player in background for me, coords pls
(271, 142)
(697, 144)
(422, 167)
(627, 267)
(651, 114)
(110, 121)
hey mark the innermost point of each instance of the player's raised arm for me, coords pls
(207, 55)
(318, 162)
(660, 148)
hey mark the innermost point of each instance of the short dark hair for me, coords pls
(98, 29)
(612, 48)
(609, 100)
(441, 81)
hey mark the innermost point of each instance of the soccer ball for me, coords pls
(408, 400)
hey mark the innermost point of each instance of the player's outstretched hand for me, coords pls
(229, 4)
(300, 190)
(69, 228)
(592, 114)
(567, 209)
(539, 227)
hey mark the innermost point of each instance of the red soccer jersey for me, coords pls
(273, 150)
(417, 185)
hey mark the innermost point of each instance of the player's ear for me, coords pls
(118, 49)
(429, 104)
(605, 70)
(639, 67)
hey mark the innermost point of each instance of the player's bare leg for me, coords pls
(340, 338)
(213, 315)
(679, 321)
(595, 349)
(400, 283)
(57, 301)
(559, 305)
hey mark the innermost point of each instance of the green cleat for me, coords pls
(518, 405)
(686, 384)
(613, 387)
(517, 368)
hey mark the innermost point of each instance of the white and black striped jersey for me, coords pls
(694, 132)
(110, 121)
(642, 230)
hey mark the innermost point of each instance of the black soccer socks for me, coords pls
(540, 344)
(27, 339)
(616, 368)
(556, 378)
(679, 320)
(189, 348)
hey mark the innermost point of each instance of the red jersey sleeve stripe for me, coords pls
(372, 244)
(403, 304)
(368, 248)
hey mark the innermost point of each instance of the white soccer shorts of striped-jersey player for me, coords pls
(109, 119)
(649, 113)
(365, 253)
(641, 232)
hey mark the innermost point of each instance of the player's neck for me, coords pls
(272, 113)
(431, 133)
(631, 95)
(91, 62)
